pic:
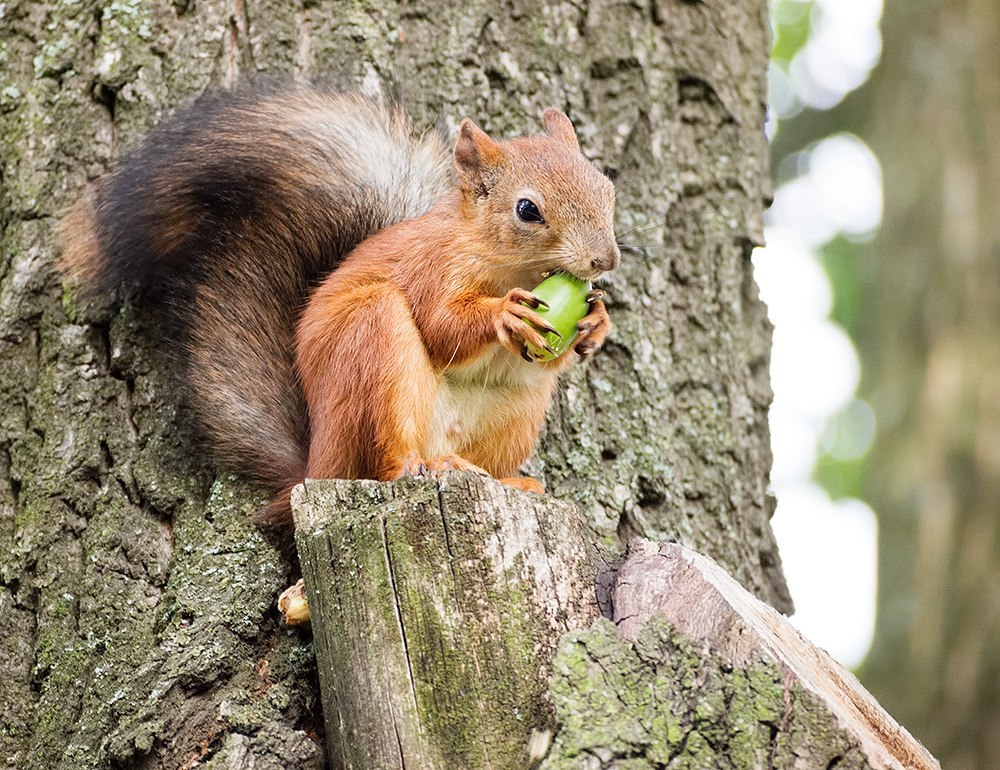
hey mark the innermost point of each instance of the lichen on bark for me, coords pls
(108, 512)
(437, 604)
(671, 702)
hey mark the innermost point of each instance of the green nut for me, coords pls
(566, 297)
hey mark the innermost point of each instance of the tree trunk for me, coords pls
(931, 355)
(137, 622)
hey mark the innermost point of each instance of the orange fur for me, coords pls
(81, 256)
(409, 352)
(525, 484)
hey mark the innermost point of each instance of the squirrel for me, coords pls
(350, 301)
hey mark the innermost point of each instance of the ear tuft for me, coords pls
(558, 127)
(476, 157)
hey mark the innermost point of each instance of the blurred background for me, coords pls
(882, 276)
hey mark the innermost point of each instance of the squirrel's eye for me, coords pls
(527, 211)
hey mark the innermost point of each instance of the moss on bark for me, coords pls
(437, 605)
(121, 648)
(670, 702)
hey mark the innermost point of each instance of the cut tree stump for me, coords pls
(454, 618)
(437, 605)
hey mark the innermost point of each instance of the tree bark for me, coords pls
(437, 607)
(827, 719)
(136, 619)
(931, 357)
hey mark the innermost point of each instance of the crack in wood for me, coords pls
(447, 534)
(399, 623)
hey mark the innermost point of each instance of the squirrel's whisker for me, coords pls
(648, 227)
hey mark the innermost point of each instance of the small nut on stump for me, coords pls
(294, 606)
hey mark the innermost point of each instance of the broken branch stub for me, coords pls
(826, 706)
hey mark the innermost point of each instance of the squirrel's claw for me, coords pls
(518, 326)
(527, 298)
(412, 465)
(592, 328)
(545, 326)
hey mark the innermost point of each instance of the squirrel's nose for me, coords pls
(608, 260)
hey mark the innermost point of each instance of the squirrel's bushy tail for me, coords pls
(227, 216)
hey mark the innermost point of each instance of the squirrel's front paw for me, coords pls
(518, 325)
(593, 327)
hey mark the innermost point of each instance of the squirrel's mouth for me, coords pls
(578, 270)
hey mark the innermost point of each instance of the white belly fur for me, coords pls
(470, 393)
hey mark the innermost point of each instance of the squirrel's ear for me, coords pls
(557, 126)
(476, 157)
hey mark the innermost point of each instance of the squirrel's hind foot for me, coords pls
(525, 483)
(414, 465)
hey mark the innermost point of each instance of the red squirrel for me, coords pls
(351, 302)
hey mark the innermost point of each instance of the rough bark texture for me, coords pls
(931, 357)
(669, 701)
(136, 620)
(437, 607)
(828, 719)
